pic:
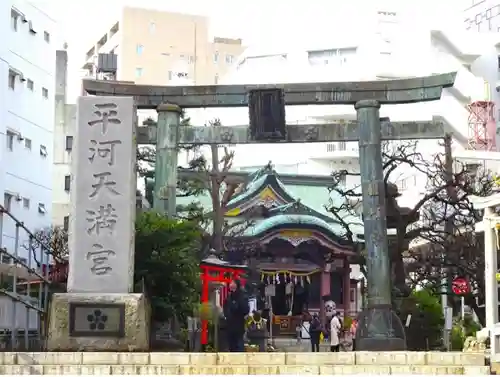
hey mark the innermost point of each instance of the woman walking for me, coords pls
(335, 327)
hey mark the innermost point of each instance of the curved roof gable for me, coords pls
(265, 185)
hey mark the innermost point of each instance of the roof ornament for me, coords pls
(296, 204)
(269, 168)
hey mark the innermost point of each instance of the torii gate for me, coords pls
(385, 330)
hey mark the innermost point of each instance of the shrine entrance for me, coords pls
(216, 276)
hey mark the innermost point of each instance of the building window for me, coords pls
(67, 182)
(12, 79)
(42, 209)
(170, 75)
(152, 27)
(43, 151)
(229, 59)
(216, 57)
(46, 36)
(138, 72)
(26, 203)
(7, 201)
(14, 19)
(69, 143)
(139, 49)
(45, 93)
(66, 223)
(10, 140)
(216, 79)
(31, 28)
(30, 84)
(191, 59)
(27, 143)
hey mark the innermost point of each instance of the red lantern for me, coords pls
(460, 286)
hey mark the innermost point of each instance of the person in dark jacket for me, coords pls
(315, 330)
(236, 308)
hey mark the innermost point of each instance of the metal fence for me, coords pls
(24, 286)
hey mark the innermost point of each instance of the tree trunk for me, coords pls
(398, 266)
(215, 194)
(480, 312)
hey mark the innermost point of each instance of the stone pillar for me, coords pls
(99, 312)
(346, 292)
(167, 133)
(490, 270)
(380, 329)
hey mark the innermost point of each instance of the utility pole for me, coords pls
(449, 226)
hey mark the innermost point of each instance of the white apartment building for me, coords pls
(482, 15)
(27, 66)
(392, 47)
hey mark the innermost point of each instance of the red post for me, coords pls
(204, 299)
(220, 277)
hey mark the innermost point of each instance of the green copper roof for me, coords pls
(271, 222)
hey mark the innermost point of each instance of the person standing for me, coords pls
(236, 308)
(335, 327)
(315, 331)
(354, 328)
(257, 331)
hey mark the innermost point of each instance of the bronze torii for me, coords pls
(379, 329)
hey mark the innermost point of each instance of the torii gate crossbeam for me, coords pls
(384, 330)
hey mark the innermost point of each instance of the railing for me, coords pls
(341, 146)
(24, 288)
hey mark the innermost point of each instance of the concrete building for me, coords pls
(64, 130)
(153, 47)
(27, 68)
(482, 15)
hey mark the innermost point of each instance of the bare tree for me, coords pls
(56, 238)
(442, 218)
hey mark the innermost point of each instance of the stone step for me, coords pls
(241, 369)
(227, 359)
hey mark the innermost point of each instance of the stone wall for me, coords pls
(93, 363)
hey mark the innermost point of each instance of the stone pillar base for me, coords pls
(98, 322)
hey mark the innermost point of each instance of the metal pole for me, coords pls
(374, 207)
(167, 130)
(13, 333)
(28, 294)
(448, 229)
(490, 269)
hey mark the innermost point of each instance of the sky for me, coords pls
(258, 22)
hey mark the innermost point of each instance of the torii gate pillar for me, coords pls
(374, 208)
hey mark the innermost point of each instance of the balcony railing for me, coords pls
(341, 147)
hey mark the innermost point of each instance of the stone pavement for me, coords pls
(98, 363)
